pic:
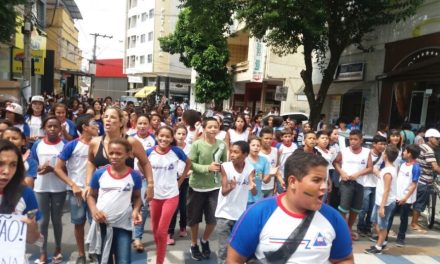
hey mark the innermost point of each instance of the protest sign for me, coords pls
(12, 239)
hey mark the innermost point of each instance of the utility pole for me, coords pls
(27, 47)
(95, 35)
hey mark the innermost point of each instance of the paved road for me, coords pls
(420, 248)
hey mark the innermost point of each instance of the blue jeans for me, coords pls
(364, 220)
(139, 229)
(405, 209)
(121, 245)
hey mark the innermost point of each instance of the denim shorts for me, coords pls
(78, 209)
(382, 222)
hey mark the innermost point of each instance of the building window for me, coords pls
(133, 41)
(128, 42)
(150, 58)
(132, 61)
(150, 36)
(142, 60)
(41, 13)
(151, 13)
(133, 22)
(133, 3)
(127, 62)
(143, 38)
(144, 16)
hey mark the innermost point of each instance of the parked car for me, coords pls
(126, 98)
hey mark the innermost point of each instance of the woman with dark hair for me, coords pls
(239, 131)
(16, 136)
(14, 113)
(74, 106)
(395, 139)
(49, 189)
(177, 115)
(97, 108)
(34, 118)
(16, 198)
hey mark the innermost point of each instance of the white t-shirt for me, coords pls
(115, 194)
(272, 157)
(44, 151)
(181, 166)
(75, 153)
(285, 152)
(329, 156)
(408, 173)
(381, 185)
(165, 168)
(370, 180)
(34, 123)
(234, 204)
(353, 163)
(234, 136)
(221, 135)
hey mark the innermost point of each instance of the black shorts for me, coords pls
(199, 204)
(352, 195)
(423, 192)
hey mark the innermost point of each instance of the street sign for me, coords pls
(281, 93)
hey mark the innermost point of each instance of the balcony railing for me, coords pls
(240, 67)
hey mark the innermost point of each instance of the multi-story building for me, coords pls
(62, 47)
(395, 78)
(12, 53)
(262, 79)
(145, 63)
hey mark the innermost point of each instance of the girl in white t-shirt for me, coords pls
(49, 189)
(164, 160)
(237, 179)
(239, 131)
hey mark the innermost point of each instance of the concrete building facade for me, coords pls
(395, 79)
(144, 61)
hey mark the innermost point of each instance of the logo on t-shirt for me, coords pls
(320, 241)
(171, 167)
(363, 162)
(127, 188)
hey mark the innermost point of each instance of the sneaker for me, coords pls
(384, 245)
(195, 253)
(373, 250)
(170, 240)
(400, 242)
(93, 258)
(182, 232)
(206, 251)
(374, 238)
(81, 260)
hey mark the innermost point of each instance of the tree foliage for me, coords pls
(8, 19)
(200, 40)
(323, 28)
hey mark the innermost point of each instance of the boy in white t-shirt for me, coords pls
(407, 179)
(285, 148)
(385, 198)
(271, 154)
(237, 179)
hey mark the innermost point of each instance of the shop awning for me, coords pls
(144, 92)
(427, 69)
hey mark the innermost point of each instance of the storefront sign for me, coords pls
(135, 79)
(350, 72)
(258, 66)
(18, 57)
(12, 239)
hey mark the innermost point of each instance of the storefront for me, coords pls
(411, 83)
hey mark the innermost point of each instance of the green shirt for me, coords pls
(202, 155)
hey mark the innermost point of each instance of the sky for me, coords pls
(106, 17)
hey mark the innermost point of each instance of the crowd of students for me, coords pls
(117, 167)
